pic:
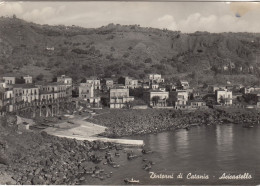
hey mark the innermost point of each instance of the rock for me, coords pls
(37, 171)
(82, 178)
(44, 134)
(37, 181)
(15, 177)
(4, 159)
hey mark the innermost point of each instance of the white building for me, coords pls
(156, 77)
(27, 79)
(179, 98)
(64, 79)
(119, 97)
(95, 81)
(224, 97)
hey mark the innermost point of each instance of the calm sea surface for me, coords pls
(208, 151)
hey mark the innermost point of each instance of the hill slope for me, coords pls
(127, 50)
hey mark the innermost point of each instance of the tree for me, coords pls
(221, 100)
(137, 92)
(155, 100)
(39, 77)
(148, 60)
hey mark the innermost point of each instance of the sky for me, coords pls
(186, 17)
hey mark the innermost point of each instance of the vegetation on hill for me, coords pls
(128, 50)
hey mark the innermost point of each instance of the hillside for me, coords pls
(127, 50)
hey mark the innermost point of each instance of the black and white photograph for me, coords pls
(129, 92)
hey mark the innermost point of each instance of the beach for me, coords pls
(80, 129)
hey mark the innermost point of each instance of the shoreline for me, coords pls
(126, 123)
(84, 130)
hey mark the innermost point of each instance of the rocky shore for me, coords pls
(138, 122)
(31, 157)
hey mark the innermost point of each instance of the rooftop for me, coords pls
(23, 85)
(92, 78)
(155, 91)
(49, 83)
(63, 76)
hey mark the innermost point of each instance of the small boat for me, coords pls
(130, 157)
(146, 151)
(116, 166)
(131, 180)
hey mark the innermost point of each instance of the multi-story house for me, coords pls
(197, 103)
(212, 88)
(183, 85)
(8, 99)
(18, 94)
(156, 98)
(250, 89)
(9, 80)
(119, 97)
(64, 79)
(87, 92)
(154, 86)
(53, 91)
(28, 79)
(170, 87)
(224, 96)
(2, 83)
(129, 82)
(145, 85)
(95, 81)
(107, 84)
(179, 98)
(30, 92)
(155, 78)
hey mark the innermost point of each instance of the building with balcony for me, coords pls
(156, 98)
(196, 104)
(107, 84)
(64, 79)
(95, 81)
(87, 93)
(119, 97)
(155, 78)
(179, 99)
(128, 82)
(224, 96)
(53, 91)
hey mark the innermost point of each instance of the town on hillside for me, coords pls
(16, 93)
